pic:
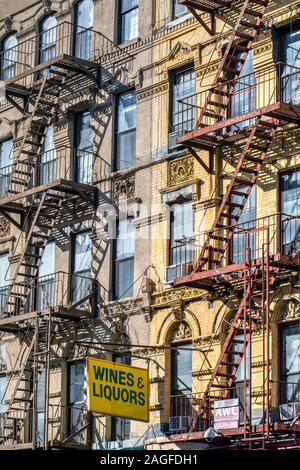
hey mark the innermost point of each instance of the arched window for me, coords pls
(9, 56)
(47, 38)
(84, 18)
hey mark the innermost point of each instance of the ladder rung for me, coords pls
(247, 24)
(244, 35)
(239, 47)
(249, 170)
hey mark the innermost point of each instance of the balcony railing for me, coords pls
(66, 163)
(65, 38)
(276, 83)
(55, 290)
(281, 232)
(186, 408)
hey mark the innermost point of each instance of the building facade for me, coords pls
(149, 215)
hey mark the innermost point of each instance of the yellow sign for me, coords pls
(118, 389)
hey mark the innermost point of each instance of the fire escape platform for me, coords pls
(12, 323)
(63, 61)
(204, 137)
(206, 6)
(206, 279)
(86, 191)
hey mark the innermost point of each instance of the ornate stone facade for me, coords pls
(181, 170)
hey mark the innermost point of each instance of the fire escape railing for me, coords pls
(64, 39)
(284, 238)
(276, 83)
(54, 290)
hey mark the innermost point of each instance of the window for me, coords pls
(9, 57)
(183, 113)
(128, 20)
(3, 384)
(290, 206)
(238, 391)
(5, 168)
(244, 97)
(246, 221)
(84, 19)
(290, 364)
(45, 287)
(126, 130)
(47, 161)
(182, 227)
(181, 379)
(81, 265)
(124, 259)
(84, 137)
(4, 266)
(76, 400)
(47, 38)
(289, 55)
(178, 9)
(120, 427)
(40, 407)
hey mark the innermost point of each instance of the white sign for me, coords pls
(227, 414)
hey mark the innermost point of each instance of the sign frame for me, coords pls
(136, 368)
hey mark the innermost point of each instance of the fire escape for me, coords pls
(40, 195)
(248, 135)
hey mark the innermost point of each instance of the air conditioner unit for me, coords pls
(289, 411)
(180, 423)
(172, 140)
(178, 270)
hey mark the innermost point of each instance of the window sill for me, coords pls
(182, 19)
(123, 45)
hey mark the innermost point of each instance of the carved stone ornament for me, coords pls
(177, 309)
(124, 189)
(4, 227)
(47, 5)
(290, 311)
(181, 331)
(181, 170)
(8, 22)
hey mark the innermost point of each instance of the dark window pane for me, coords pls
(128, 20)
(246, 221)
(289, 48)
(47, 38)
(84, 17)
(290, 364)
(182, 370)
(82, 260)
(76, 400)
(84, 138)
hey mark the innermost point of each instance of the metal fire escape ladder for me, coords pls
(26, 269)
(44, 96)
(243, 179)
(247, 25)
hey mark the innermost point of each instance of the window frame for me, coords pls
(116, 163)
(280, 174)
(75, 32)
(177, 17)
(41, 50)
(121, 15)
(115, 262)
(10, 67)
(171, 228)
(283, 384)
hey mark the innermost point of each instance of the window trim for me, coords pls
(115, 127)
(40, 32)
(120, 16)
(4, 38)
(171, 219)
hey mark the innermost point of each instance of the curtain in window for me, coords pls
(290, 364)
(126, 130)
(244, 97)
(128, 20)
(47, 38)
(45, 286)
(47, 164)
(84, 137)
(76, 399)
(9, 57)
(183, 114)
(290, 206)
(124, 262)
(82, 261)
(290, 55)
(182, 227)
(246, 222)
(84, 19)
(5, 166)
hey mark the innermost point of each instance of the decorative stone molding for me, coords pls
(164, 299)
(181, 331)
(155, 380)
(205, 341)
(124, 189)
(4, 227)
(290, 311)
(181, 170)
(47, 5)
(201, 373)
(8, 22)
(156, 407)
(147, 93)
(177, 308)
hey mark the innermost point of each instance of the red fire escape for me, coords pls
(249, 133)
